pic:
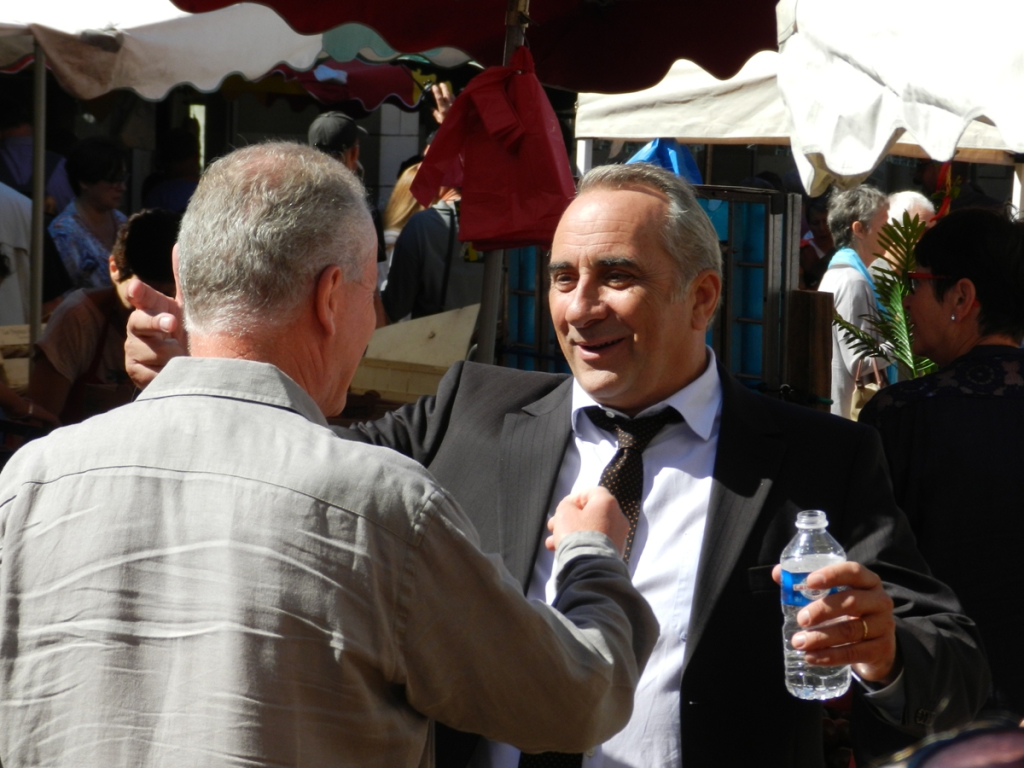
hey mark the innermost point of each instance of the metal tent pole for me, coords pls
(494, 261)
(38, 193)
(584, 155)
(1018, 183)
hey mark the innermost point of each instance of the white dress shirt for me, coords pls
(678, 465)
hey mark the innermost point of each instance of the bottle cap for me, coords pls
(811, 519)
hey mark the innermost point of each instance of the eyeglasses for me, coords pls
(916, 278)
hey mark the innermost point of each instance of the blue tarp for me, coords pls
(670, 155)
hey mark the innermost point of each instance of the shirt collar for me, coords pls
(698, 402)
(234, 379)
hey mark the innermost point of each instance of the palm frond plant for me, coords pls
(891, 334)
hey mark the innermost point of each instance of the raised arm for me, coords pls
(539, 677)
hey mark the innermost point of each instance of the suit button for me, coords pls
(590, 752)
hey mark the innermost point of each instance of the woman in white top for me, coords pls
(856, 218)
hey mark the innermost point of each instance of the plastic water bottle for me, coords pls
(812, 548)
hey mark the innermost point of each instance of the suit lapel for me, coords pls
(750, 451)
(533, 444)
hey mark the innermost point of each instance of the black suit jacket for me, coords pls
(495, 438)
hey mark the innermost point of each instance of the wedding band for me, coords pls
(864, 622)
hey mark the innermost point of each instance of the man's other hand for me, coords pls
(591, 510)
(859, 625)
(155, 332)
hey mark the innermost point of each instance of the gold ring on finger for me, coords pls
(865, 625)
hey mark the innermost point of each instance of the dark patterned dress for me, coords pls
(954, 441)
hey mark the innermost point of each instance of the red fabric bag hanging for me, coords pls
(501, 143)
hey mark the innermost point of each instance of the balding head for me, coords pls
(263, 224)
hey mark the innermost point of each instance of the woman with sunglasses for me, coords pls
(953, 438)
(85, 231)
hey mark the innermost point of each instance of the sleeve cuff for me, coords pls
(889, 700)
(582, 544)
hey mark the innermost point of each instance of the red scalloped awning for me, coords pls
(605, 46)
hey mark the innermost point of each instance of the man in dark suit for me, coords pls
(635, 281)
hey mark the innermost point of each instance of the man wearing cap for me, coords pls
(338, 135)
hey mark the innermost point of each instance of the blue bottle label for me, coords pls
(795, 591)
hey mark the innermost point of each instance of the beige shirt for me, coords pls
(210, 577)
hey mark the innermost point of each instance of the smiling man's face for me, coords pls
(628, 335)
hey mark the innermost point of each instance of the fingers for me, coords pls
(848, 574)
(844, 632)
(154, 332)
(852, 626)
(873, 659)
(592, 510)
(142, 325)
(863, 594)
(148, 299)
(151, 342)
(442, 94)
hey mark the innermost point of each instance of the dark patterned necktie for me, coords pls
(624, 477)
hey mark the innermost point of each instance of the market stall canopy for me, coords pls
(611, 46)
(150, 46)
(694, 107)
(369, 85)
(350, 41)
(854, 79)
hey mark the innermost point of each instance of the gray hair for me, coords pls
(688, 234)
(261, 227)
(858, 204)
(910, 202)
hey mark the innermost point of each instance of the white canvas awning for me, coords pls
(694, 107)
(150, 46)
(855, 78)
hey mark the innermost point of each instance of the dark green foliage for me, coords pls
(889, 321)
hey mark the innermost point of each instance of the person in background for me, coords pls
(15, 244)
(913, 203)
(816, 246)
(84, 232)
(970, 194)
(952, 438)
(179, 159)
(909, 202)
(337, 135)
(211, 577)
(79, 361)
(16, 139)
(13, 405)
(430, 269)
(400, 208)
(855, 218)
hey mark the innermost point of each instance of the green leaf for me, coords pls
(889, 333)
